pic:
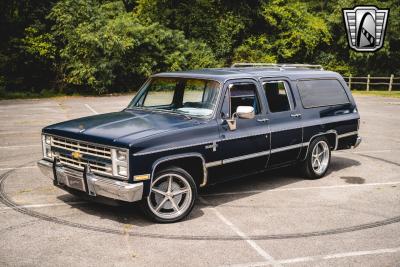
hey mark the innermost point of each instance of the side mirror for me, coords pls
(243, 112)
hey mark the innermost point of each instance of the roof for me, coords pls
(223, 74)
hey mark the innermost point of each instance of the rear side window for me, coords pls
(277, 96)
(317, 93)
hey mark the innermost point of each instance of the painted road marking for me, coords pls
(321, 257)
(16, 168)
(91, 109)
(16, 147)
(252, 243)
(301, 188)
(45, 205)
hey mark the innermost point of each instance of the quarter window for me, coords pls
(277, 96)
(317, 93)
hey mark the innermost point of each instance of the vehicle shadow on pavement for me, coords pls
(215, 195)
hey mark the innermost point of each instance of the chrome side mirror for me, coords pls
(243, 112)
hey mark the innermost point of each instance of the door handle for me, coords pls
(263, 120)
(297, 115)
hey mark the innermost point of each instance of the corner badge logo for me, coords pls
(366, 27)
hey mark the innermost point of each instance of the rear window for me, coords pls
(317, 93)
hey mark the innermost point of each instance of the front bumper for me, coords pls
(90, 183)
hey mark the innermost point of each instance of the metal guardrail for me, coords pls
(369, 81)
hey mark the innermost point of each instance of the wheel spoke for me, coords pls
(319, 163)
(173, 204)
(169, 184)
(162, 203)
(178, 192)
(158, 191)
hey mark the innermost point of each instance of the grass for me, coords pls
(395, 94)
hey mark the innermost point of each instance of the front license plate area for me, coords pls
(76, 183)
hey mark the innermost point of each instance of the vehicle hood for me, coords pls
(118, 128)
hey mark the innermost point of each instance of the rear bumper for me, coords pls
(358, 142)
(92, 184)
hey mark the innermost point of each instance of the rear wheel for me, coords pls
(318, 159)
(172, 195)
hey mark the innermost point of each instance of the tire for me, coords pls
(172, 195)
(316, 167)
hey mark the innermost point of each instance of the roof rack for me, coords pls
(281, 66)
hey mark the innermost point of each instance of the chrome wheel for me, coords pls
(170, 196)
(320, 157)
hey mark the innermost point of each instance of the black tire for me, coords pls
(150, 202)
(306, 166)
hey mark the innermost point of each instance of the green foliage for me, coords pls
(101, 46)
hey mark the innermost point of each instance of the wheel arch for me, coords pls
(196, 168)
(332, 137)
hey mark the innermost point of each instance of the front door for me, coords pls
(285, 122)
(246, 149)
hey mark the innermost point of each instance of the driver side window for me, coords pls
(240, 94)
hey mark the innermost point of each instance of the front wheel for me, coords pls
(318, 159)
(172, 195)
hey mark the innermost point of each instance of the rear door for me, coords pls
(285, 121)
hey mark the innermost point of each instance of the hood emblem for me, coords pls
(76, 155)
(81, 128)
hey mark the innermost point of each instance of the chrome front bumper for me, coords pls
(94, 185)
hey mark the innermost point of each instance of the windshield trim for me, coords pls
(145, 85)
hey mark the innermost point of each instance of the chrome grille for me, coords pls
(93, 151)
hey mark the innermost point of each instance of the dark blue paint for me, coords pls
(151, 136)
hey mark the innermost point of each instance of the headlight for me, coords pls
(120, 163)
(46, 147)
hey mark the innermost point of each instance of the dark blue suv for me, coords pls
(185, 130)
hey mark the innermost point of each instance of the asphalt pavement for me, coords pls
(351, 217)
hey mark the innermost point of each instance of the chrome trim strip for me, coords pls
(280, 149)
(173, 148)
(244, 157)
(347, 134)
(213, 163)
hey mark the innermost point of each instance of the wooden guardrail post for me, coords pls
(391, 82)
(368, 80)
(350, 82)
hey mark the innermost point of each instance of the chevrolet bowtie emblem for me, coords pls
(76, 155)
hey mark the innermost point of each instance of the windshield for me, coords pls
(193, 97)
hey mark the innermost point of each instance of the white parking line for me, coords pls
(16, 147)
(252, 243)
(321, 257)
(301, 188)
(17, 168)
(91, 109)
(46, 205)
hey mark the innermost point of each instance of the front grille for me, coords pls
(98, 157)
